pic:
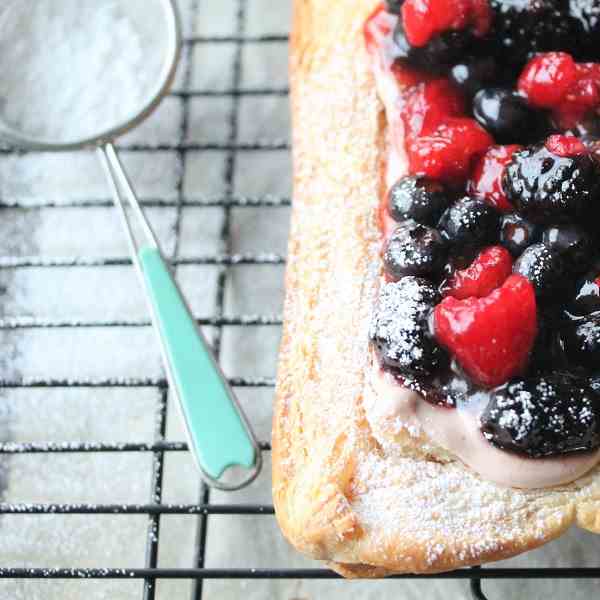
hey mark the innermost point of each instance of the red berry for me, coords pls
(447, 153)
(491, 337)
(428, 104)
(547, 78)
(424, 19)
(486, 181)
(488, 271)
(565, 145)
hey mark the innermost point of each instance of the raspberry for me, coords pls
(486, 182)
(491, 337)
(488, 271)
(448, 152)
(545, 187)
(555, 81)
(428, 105)
(544, 416)
(565, 146)
(425, 19)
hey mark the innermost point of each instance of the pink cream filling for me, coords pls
(456, 430)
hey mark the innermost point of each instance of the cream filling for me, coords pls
(455, 430)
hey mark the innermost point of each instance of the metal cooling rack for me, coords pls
(155, 508)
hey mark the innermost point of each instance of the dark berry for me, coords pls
(413, 249)
(516, 234)
(545, 269)
(544, 416)
(547, 355)
(474, 74)
(508, 117)
(573, 243)
(470, 222)
(581, 343)
(587, 12)
(437, 56)
(394, 6)
(417, 198)
(400, 331)
(587, 295)
(546, 188)
(595, 383)
(524, 27)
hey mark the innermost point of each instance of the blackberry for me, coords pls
(470, 222)
(544, 416)
(547, 188)
(522, 28)
(414, 249)
(418, 198)
(508, 117)
(545, 269)
(587, 294)
(573, 243)
(437, 56)
(587, 12)
(400, 331)
(581, 343)
(516, 234)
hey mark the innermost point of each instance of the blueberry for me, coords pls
(400, 330)
(587, 294)
(508, 117)
(544, 416)
(545, 269)
(581, 343)
(574, 244)
(516, 234)
(547, 188)
(418, 198)
(414, 249)
(394, 6)
(474, 73)
(470, 222)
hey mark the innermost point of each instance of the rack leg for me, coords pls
(476, 591)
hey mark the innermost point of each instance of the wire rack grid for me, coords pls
(156, 509)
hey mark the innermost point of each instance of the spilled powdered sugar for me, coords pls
(75, 68)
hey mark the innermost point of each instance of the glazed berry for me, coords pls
(587, 295)
(488, 173)
(489, 271)
(413, 249)
(545, 269)
(522, 28)
(470, 222)
(448, 153)
(573, 243)
(547, 355)
(425, 19)
(490, 337)
(508, 117)
(581, 343)
(516, 234)
(417, 198)
(399, 331)
(474, 74)
(547, 188)
(587, 12)
(429, 104)
(544, 416)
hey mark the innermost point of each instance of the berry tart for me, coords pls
(438, 398)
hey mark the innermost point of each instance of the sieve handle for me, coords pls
(219, 434)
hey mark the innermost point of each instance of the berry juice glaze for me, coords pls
(391, 406)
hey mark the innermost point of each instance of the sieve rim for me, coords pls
(154, 97)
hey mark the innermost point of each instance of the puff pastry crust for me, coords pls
(339, 495)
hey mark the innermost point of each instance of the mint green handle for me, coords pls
(218, 435)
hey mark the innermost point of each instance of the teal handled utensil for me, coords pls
(220, 436)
